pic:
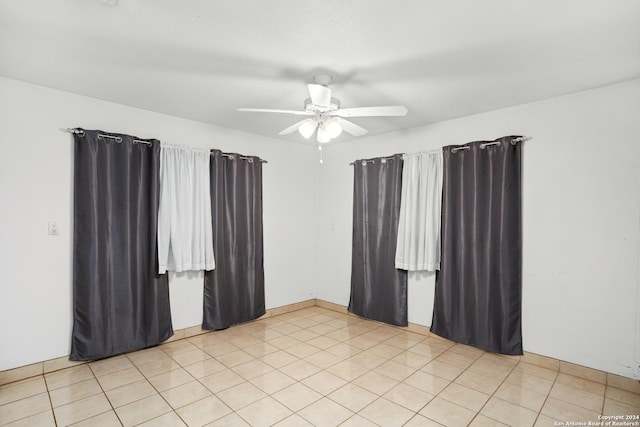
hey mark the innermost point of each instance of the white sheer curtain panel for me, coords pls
(185, 237)
(418, 245)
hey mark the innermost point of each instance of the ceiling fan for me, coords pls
(327, 116)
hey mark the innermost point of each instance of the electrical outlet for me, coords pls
(53, 228)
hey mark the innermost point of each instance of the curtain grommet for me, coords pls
(486, 144)
(117, 138)
(463, 148)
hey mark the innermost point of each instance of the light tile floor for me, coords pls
(309, 367)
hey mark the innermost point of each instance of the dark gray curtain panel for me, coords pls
(478, 293)
(378, 289)
(234, 290)
(120, 303)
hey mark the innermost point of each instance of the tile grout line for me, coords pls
(233, 411)
(321, 370)
(325, 369)
(494, 392)
(349, 382)
(152, 386)
(294, 379)
(53, 413)
(563, 400)
(95, 377)
(189, 373)
(48, 392)
(361, 351)
(450, 382)
(548, 394)
(247, 380)
(437, 394)
(379, 396)
(69, 403)
(606, 391)
(363, 347)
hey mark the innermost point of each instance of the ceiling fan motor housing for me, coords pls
(322, 79)
(312, 108)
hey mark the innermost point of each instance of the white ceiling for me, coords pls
(203, 59)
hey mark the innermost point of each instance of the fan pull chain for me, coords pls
(320, 149)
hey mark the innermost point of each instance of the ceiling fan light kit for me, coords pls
(328, 117)
(323, 134)
(333, 127)
(307, 128)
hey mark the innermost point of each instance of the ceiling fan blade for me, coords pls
(268, 110)
(291, 129)
(320, 95)
(352, 128)
(391, 110)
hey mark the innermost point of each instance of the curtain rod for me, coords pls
(453, 150)
(232, 156)
(118, 139)
(420, 153)
(382, 160)
(514, 141)
(78, 131)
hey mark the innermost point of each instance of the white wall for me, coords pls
(581, 217)
(36, 187)
(581, 212)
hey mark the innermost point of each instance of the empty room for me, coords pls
(320, 213)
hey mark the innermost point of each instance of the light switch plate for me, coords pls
(53, 228)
